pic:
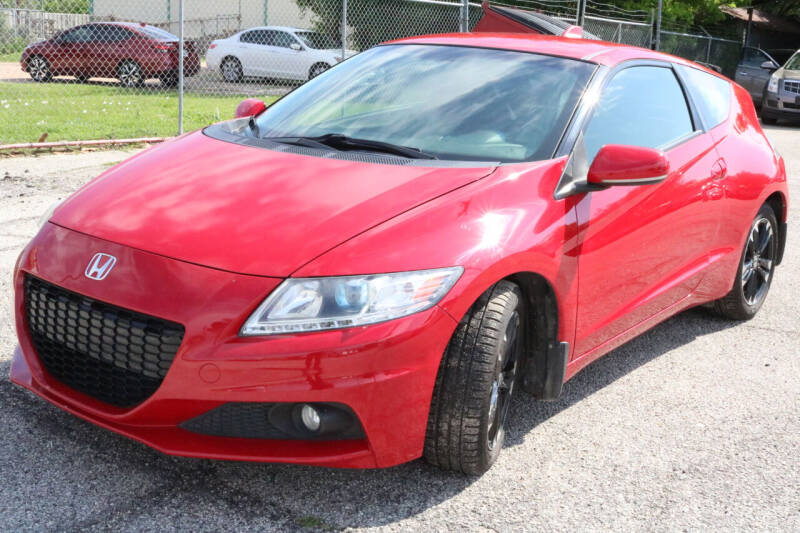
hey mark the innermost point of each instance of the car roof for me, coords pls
(600, 52)
(281, 28)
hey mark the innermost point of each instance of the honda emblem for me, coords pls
(100, 266)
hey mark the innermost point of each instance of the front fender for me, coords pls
(504, 224)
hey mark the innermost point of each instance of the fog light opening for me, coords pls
(310, 418)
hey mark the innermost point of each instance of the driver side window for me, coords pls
(641, 106)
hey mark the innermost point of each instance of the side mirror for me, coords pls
(250, 107)
(769, 65)
(296, 47)
(617, 164)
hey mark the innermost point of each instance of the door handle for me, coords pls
(719, 170)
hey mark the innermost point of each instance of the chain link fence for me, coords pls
(94, 69)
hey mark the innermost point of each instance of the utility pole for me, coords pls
(749, 26)
(658, 24)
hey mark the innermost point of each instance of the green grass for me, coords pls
(82, 112)
(12, 57)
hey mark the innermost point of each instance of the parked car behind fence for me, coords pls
(127, 51)
(275, 52)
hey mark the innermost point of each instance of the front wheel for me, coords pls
(475, 383)
(39, 69)
(317, 69)
(756, 268)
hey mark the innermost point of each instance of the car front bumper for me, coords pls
(783, 104)
(385, 372)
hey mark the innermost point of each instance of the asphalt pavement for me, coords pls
(693, 426)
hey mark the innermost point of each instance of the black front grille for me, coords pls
(117, 356)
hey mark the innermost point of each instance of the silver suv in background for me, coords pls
(781, 97)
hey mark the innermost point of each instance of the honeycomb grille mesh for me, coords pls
(114, 355)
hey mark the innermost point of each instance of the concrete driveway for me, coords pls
(693, 426)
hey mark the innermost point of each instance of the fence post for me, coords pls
(581, 13)
(180, 67)
(464, 16)
(658, 25)
(708, 50)
(344, 29)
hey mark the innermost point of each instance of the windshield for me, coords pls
(794, 62)
(455, 103)
(317, 40)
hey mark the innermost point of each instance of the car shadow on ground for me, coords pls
(269, 493)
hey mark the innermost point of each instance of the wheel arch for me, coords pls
(318, 64)
(777, 202)
(544, 352)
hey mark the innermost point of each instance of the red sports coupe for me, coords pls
(365, 272)
(127, 51)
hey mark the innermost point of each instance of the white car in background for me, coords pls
(274, 52)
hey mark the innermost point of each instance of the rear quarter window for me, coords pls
(711, 94)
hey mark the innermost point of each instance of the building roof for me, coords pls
(763, 19)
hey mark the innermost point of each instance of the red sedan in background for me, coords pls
(367, 271)
(128, 51)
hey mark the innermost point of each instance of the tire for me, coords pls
(475, 383)
(129, 74)
(231, 69)
(752, 284)
(39, 69)
(317, 69)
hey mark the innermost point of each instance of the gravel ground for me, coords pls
(694, 425)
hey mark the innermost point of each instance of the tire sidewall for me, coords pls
(490, 455)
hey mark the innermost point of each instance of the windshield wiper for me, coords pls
(254, 126)
(338, 141)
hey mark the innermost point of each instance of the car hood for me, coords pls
(790, 74)
(246, 209)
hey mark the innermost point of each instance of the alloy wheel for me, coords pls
(38, 69)
(130, 74)
(231, 70)
(503, 385)
(758, 263)
(317, 70)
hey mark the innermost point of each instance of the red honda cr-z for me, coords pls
(365, 272)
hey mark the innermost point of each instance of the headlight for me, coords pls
(315, 304)
(772, 86)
